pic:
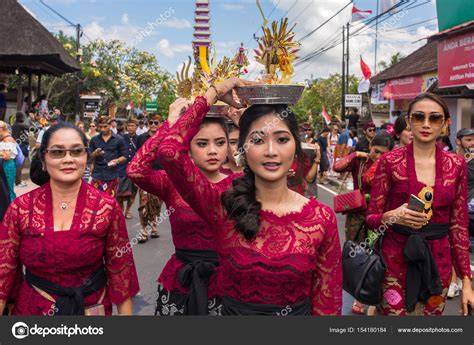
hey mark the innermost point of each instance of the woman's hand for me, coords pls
(403, 216)
(176, 109)
(223, 91)
(361, 154)
(467, 296)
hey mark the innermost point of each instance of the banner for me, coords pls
(453, 12)
(403, 88)
(456, 60)
(377, 97)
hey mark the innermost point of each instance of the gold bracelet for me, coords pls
(215, 89)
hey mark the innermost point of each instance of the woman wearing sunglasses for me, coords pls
(357, 164)
(70, 237)
(419, 248)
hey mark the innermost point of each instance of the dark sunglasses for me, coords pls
(418, 118)
(61, 153)
(156, 123)
(371, 130)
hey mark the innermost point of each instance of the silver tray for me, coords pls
(218, 110)
(270, 94)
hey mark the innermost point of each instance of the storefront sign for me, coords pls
(377, 97)
(403, 88)
(353, 100)
(456, 60)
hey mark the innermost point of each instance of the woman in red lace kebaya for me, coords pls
(188, 284)
(70, 237)
(358, 164)
(419, 248)
(279, 252)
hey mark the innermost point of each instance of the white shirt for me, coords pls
(140, 131)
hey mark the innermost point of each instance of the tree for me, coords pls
(119, 73)
(323, 92)
(393, 61)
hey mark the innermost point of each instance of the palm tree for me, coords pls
(393, 61)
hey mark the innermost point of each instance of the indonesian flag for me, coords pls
(359, 14)
(130, 106)
(364, 85)
(326, 116)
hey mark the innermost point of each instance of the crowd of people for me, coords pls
(250, 236)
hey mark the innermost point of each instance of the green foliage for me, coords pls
(322, 92)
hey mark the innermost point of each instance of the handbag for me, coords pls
(363, 272)
(20, 158)
(353, 201)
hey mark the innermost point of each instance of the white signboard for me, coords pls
(353, 100)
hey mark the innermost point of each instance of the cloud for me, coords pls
(177, 23)
(232, 6)
(125, 18)
(170, 50)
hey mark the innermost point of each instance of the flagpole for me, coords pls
(347, 61)
(376, 34)
(343, 105)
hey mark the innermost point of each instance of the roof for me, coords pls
(28, 46)
(454, 30)
(421, 61)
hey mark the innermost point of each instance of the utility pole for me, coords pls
(343, 105)
(376, 34)
(78, 53)
(347, 67)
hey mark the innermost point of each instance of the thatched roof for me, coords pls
(421, 61)
(27, 45)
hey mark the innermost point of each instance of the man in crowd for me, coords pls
(141, 128)
(53, 120)
(113, 126)
(149, 208)
(353, 118)
(369, 134)
(108, 152)
(127, 191)
(20, 132)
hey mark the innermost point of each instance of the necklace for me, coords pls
(64, 205)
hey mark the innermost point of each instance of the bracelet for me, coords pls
(215, 89)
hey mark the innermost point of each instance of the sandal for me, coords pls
(128, 216)
(358, 308)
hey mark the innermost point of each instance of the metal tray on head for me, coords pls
(218, 110)
(270, 93)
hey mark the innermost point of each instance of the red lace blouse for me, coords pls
(98, 235)
(293, 257)
(394, 181)
(188, 230)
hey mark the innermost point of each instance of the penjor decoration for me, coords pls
(202, 35)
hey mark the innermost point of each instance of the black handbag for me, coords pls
(363, 272)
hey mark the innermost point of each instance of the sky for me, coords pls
(235, 22)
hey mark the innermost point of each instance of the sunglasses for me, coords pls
(418, 118)
(61, 153)
(371, 130)
(156, 123)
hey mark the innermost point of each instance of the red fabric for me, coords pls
(351, 163)
(98, 232)
(365, 69)
(188, 230)
(394, 181)
(292, 257)
(110, 187)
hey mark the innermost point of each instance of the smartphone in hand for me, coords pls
(416, 204)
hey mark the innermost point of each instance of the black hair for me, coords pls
(240, 201)
(400, 125)
(231, 127)
(383, 139)
(220, 121)
(53, 129)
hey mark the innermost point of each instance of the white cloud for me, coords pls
(232, 6)
(170, 50)
(177, 23)
(125, 18)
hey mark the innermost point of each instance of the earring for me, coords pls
(444, 132)
(44, 167)
(408, 128)
(240, 160)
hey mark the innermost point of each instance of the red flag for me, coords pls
(326, 116)
(359, 14)
(365, 69)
